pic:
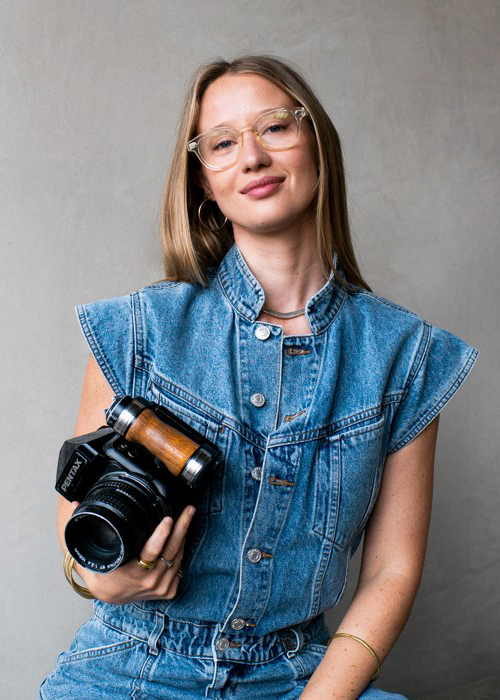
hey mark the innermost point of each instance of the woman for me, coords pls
(323, 398)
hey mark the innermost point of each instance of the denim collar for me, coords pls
(247, 296)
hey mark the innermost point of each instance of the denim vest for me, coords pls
(304, 423)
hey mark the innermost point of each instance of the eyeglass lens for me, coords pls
(275, 130)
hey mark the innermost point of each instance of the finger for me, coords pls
(153, 546)
(172, 589)
(178, 534)
(167, 585)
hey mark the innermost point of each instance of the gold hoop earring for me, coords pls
(209, 228)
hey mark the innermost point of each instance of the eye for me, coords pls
(222, 145)
(276, 128)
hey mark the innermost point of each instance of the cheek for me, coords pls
(219, 184)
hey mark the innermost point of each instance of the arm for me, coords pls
(391, 569)
(128, 582)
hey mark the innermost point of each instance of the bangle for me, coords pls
(367, 647)
(68, 565)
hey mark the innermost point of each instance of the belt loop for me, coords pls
(154, 637)
(299, 640)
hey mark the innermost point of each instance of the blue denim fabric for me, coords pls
(271, 541)
(127, 652)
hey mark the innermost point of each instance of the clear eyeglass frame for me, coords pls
(299, 113)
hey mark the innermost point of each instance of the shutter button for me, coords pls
(254, 555)
(258, 399)
(222, 644)
(238, 623)
(262, 332)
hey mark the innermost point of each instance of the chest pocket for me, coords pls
(211, 495)
(348, 471)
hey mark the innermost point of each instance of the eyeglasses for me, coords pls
(276, 130)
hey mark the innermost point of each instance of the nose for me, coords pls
(253, 155)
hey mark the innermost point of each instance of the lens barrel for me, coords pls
(110, 526)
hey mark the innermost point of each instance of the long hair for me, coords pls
(189, 249)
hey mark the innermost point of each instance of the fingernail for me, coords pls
(191, 510)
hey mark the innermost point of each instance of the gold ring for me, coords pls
(178, 573)
(145, 564)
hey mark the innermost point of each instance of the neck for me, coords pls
(289, 271)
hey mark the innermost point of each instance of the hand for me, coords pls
(131, 582)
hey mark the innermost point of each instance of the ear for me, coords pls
(202, 182)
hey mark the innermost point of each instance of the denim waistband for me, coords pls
(204, 639)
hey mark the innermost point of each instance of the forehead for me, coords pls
(236, 100)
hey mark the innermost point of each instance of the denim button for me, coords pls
(258, 399)
(262, 332)
(254, 555)
(222, 644)
(237, 623)
(256, 473)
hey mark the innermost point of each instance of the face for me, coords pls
(236, 101)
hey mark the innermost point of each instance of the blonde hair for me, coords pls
(189, 249)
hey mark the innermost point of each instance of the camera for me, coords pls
(147, 463)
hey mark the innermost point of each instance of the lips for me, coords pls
(262, 182)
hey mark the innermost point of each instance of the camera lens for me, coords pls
(99, 539)
(110, 526)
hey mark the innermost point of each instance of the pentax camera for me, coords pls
(127, 476)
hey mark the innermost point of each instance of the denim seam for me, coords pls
(201, 422)
(319, 374)
(214, 414)
(166, 284)
(97, 350)
(279, 391)
(137, 350)
(333, 506)
(244, 546)
(337, 311)
(97, 652)
(420, 354)
(180, 393)
(386, 302)
(277, 532)
(148, 661)
(324, 560)
(340, 544)
(431, 413)
(118, 629)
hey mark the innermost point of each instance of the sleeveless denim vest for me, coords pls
(304, 423)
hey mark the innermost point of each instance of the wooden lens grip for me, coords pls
(172, 447)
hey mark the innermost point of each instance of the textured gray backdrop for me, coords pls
(90, 95)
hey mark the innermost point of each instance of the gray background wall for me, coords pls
(89, 101)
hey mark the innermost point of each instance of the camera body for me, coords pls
(125, 489)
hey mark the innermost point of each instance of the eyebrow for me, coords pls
(224, 125)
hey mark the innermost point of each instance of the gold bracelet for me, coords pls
(365, 644)
(68, 565)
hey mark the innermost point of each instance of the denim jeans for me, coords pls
(128, 652)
